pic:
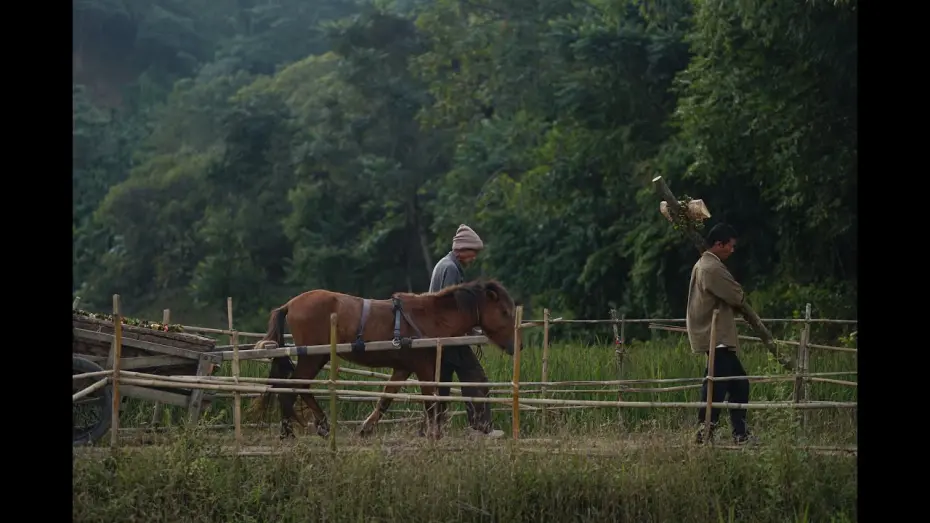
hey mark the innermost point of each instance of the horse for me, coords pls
(451, 312)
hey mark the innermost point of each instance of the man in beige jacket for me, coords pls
(712, 286)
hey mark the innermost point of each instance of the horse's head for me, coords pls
(494, 308)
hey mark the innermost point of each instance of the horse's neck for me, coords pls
(441, 323)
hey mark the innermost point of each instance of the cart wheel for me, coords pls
(91, 415)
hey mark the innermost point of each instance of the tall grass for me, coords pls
(187, 482)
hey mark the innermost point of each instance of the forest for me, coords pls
(261, 148)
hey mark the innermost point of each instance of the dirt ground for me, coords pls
(403, 437)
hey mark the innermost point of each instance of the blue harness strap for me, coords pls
(358, 346)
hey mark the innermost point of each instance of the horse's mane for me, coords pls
(466, 296)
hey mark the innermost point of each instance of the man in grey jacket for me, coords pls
(449, 271)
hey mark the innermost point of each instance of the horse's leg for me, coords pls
(383, 403)
(425, 370)
(307, 369)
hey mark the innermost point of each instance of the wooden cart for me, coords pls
(143, 350)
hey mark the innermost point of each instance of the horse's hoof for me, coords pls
(289, 435)
(322, 431)
(365, 431)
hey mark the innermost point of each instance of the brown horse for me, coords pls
(454, 311)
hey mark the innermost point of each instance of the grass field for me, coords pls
(650, 481)
(185, 482)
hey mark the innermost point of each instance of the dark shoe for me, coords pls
(743, 439)
(699, 438)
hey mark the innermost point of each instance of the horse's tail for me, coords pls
(281, 367)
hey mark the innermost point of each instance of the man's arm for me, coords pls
(721, 284)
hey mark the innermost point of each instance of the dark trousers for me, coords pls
(726, 363)
(461, 361)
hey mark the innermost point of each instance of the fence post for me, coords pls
(545, 367)
(516, 372)
(804, 349)
(436, 405)
(799, 369)
(116, 354)
(619, 351)
(710, 376)
(333, 374)
(237, 396)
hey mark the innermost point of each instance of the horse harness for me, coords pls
(358, 346)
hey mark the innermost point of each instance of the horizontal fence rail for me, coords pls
(670, 328)
(506, 401)
(556, 321)
(416, 383)
(683, 320)
(342, 348)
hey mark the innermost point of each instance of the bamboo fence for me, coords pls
(240, 386)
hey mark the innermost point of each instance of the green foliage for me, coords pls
(770, 99)
(259, 148)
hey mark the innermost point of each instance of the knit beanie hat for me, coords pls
(465, 238)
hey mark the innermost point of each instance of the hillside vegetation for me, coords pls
(260, 148)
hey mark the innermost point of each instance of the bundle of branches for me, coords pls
(688, 213)
(687, 216)
(135, 322)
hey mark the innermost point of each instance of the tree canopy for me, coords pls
(261, 148)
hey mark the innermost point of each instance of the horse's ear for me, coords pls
(491, 294)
